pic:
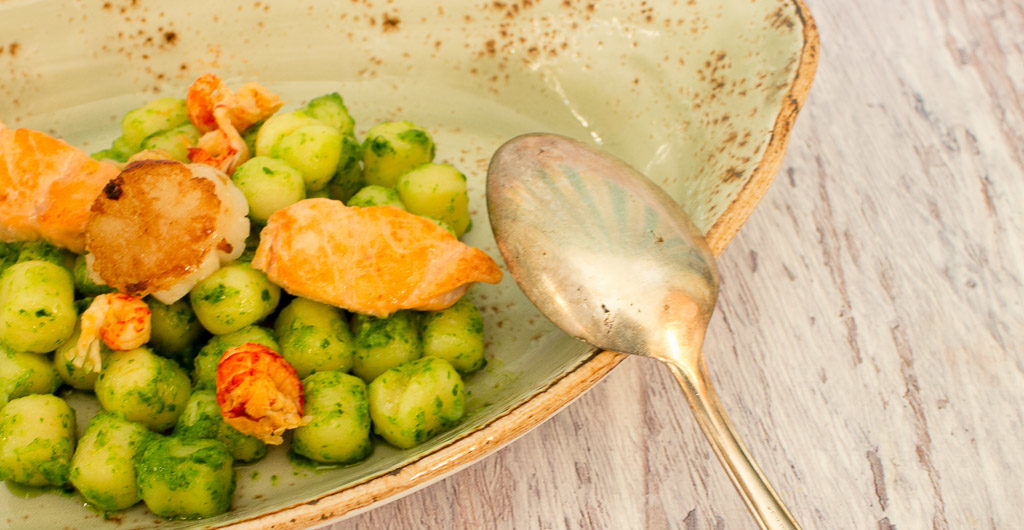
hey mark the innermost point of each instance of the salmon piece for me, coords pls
(374, 260)
(46, 188)
(64, 210)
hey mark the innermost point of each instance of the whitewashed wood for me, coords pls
(869, 342)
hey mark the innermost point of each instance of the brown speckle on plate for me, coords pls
(390, 22)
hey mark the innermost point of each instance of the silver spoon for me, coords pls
(612, 260)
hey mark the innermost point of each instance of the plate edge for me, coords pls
(573, 384)
(737, 212)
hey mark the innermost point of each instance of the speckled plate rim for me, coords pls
(504, 429)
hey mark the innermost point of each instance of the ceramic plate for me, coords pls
(697, 94)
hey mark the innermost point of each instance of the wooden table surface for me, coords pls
(869, 341)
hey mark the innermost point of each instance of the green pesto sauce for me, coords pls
(415, 137)
(159, 462)
(8, 255)
(27, 492)
(374, 332)
(41, 251)
(82, 304)
(218, 294)
(307, 464)
(381, 146)
(99, 501)
(476, 324)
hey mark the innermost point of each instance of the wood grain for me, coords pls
(869, 342)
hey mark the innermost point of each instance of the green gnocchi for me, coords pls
(174, 330)
(314, 337)
(37, 440)
(37, 311)
(143, 386)
(103, 466)
(235, 296)
(185, 478)
(162, 438)
(339, 427)
(415, 400)
(202, 419)
(437, 191)
(394, 148)
(23, 373)
(456, 335)
(384, 343)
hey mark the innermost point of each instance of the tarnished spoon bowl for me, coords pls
(612, 260)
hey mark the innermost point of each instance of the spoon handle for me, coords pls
(762, 501)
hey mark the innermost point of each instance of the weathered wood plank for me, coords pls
(870, 338)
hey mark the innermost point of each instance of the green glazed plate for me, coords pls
(699, 95)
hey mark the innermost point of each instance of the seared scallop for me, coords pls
(161, 226)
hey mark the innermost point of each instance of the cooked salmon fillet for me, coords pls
(46, 188)
(374, 260)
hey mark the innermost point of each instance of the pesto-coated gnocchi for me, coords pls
(405, 382)
(235, 296)
(277, 127)
(174, 330)
(314, 337)
(80, 377)
(383, 343)
(391, 149)
(414, 401)
(202, 419)
(331, 110)
(144, 387)
(174, 141)
(37, 439)
(103, 466)
(185, 478)
(8, 255)
(268, 184)
(456, 335)
(84, 284)
(37, 306)
(314, 150)
(437, 191)
(23, 373)
(40, 250)
(158, 115)
(374, 195)
(339, 431)
(119, 151)
(348, 178)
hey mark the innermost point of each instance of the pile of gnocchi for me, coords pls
(192, 387)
